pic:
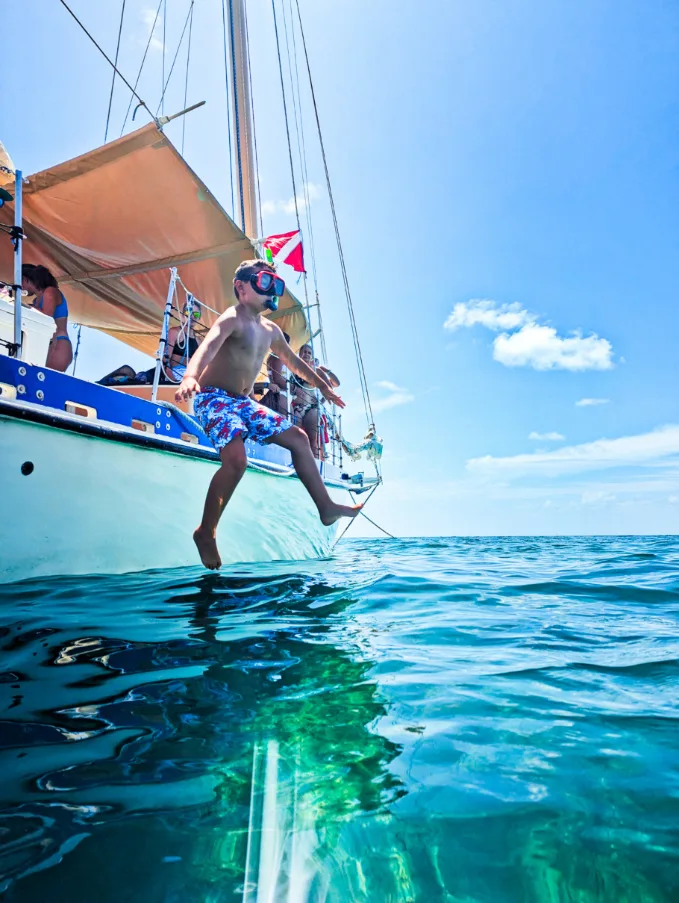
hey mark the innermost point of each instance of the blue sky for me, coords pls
(508, 169)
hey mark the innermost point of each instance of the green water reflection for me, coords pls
(245, 739)
(234, 772)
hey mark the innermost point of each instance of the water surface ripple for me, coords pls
(486, 720)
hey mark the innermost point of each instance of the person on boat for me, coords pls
(306, 404)
(182, 343)
(49, 299)
(221, 375)
(275, 397)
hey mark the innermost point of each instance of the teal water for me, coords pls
(470, 720)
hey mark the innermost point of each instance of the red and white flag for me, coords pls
(286, 248)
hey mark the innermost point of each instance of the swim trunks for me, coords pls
(224, 416)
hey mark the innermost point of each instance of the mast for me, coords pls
(246, 195)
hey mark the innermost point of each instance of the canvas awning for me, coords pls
(110, 223)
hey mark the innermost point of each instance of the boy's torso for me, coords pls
(238, 362)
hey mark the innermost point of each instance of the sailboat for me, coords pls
(110, 479)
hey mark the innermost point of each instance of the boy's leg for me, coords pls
(222, 486)
(297, 443)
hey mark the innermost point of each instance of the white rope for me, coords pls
(197, 299)
(161, 103)
(347, 291)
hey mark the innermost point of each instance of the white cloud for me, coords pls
(496, 317)
(590, 402)
(312, 192)
(646, 448)
(148, 17)
(541, 348)
(547, 437)
(597, 497)
(673, 499)
(397, 396)
(525, 342)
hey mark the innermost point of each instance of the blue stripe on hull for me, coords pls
(51, 390)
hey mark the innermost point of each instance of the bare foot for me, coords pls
(207, 549)
(334, 512)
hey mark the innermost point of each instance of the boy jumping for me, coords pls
(221, 374)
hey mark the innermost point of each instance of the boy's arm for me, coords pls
(205, 352)
(281, 348)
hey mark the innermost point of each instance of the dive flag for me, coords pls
(287, 248)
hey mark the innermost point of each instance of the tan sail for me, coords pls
(110, 224)
(6, 161)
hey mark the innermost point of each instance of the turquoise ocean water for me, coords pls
(458, 720)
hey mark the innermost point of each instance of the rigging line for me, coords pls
(232, 49)
(113, 78)
(287, 130)
(285, 113)
(347, 290)
(186, 81)
(306, 199)
(300, 132)
(324, 349)
(305, 179)
(141, 65)
(179, 45)
(292, 89)
(77, 349)
(228, 111)
(296, 105)
(354, 519)
(254, 123)
(386, 532)
(106, 57)
(292, 169)
(362, 512)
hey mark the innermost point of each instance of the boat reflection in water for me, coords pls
(215, 746)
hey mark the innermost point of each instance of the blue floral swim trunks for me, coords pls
(224, 416)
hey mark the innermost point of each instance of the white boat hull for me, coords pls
(92, 505)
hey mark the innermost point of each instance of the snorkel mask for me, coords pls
(264, 282)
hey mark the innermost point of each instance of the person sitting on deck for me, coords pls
(38, 281)
(182, 343)
(306, 404)
(221, 374)
(275, 397)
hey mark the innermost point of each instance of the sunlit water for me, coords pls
(457, 720)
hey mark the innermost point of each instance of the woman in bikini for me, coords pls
(50, 300)
(305, 402)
